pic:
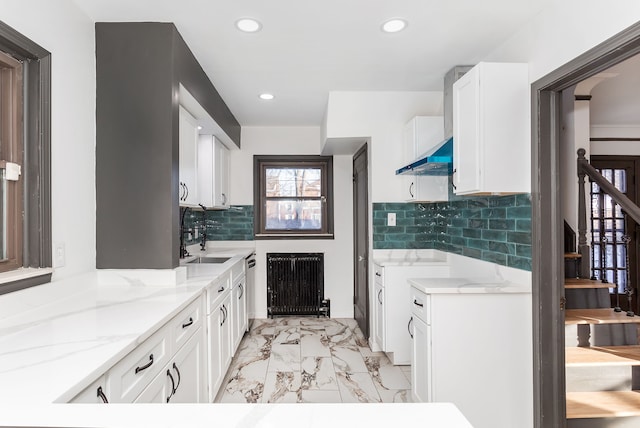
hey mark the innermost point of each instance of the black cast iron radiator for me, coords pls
(295, 283)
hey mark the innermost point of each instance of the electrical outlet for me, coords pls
(58, 254)
(391, 219)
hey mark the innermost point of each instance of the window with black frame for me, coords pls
(293, 196)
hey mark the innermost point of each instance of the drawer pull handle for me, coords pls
(409, 327)
(179, 377)
(146, 366)
(379, 298)
(241, 291)
(415, 302)
(185, 325)
(221, 289)
(101, 395)
(173, 384)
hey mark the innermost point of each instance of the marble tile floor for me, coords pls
(311, 360)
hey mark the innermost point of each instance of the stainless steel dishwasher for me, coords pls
(250, 280)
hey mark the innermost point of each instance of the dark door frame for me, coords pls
(547, 223)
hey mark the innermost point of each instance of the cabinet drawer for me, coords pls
(128, 378)
(186, 323)
(217, 291)
(421, 305)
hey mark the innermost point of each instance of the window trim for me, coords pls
(11, 120)
(260, 163)
(36, 165)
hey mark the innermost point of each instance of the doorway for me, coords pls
(361, 239)
(547, 221)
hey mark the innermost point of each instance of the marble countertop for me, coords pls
(433, 415)
(409, 258)
(57, 338)
(480, 285)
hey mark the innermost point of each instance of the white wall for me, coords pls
(380, 117)
(65, 31)
(563, 31)
(338, 252)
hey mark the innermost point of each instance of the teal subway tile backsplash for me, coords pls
(491, 228)
(233, 224)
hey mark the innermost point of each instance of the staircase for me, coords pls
(602, 356)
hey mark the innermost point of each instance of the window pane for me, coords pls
(291, 214)
(293, 182)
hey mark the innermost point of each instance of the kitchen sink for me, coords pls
(209, 260)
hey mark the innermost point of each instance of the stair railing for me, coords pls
(628, 207)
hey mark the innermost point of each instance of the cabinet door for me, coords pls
(206, 147)
(214, 361)
(379, 330)
(421, 362)
(95, 393)
(219, 345)
(420, 136)
(221, 177)
(239, 310)
(189, 372)
(225, 336)
(467, 146)
(188, 158)
(159, 390)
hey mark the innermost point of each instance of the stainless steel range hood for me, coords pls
(439, 160)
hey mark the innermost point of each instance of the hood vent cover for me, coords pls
(438, 162)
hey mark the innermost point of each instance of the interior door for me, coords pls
(361, 240)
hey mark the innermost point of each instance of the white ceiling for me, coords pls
(308, 48)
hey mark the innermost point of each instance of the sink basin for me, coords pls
(209, 260)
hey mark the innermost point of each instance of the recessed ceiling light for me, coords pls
(394, 25)
(266, 96)
(199, 127)
(248, 25)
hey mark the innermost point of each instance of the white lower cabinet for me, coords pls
(96, 393)
(421, 361)
(186, 359)
(472, 347)
(391, 318)
(219, 325)
(189, 381)
(379, 316)
(128, 378)
(159, 390)
(239, 311)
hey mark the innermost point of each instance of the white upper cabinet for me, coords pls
(420, 135)
(213, 172)
(221, 175)
(491, 130)
(188, 187)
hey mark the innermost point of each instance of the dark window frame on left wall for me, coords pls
(35, 151)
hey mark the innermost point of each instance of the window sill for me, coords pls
(293, 236)
(23, 278)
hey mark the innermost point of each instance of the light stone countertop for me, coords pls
(432, 415)
(482, 285)
(57, 338)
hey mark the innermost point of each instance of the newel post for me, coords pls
(583, 248)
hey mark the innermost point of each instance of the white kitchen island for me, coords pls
(436, 415)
